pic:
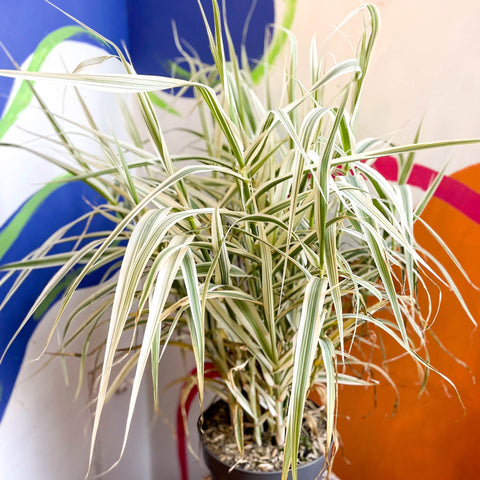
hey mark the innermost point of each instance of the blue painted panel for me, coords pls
(24, 23)
(152, 43)
(147, 30)
(64, 205)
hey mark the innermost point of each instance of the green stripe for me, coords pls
(156, 100)
(24, 95)
(278, 41)
(12, 231)
(53, 295)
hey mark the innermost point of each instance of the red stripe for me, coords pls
(182, 415)
(451, 191)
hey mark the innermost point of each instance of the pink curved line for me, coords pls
(182, 414)
(451, 191)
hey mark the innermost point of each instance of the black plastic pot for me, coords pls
(220, 470)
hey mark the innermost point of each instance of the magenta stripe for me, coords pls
(451, 191)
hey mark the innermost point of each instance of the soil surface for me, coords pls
(220, 440)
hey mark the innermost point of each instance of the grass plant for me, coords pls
(267, 249)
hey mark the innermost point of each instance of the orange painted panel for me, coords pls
(431, 436)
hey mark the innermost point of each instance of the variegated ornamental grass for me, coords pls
(272, 244)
